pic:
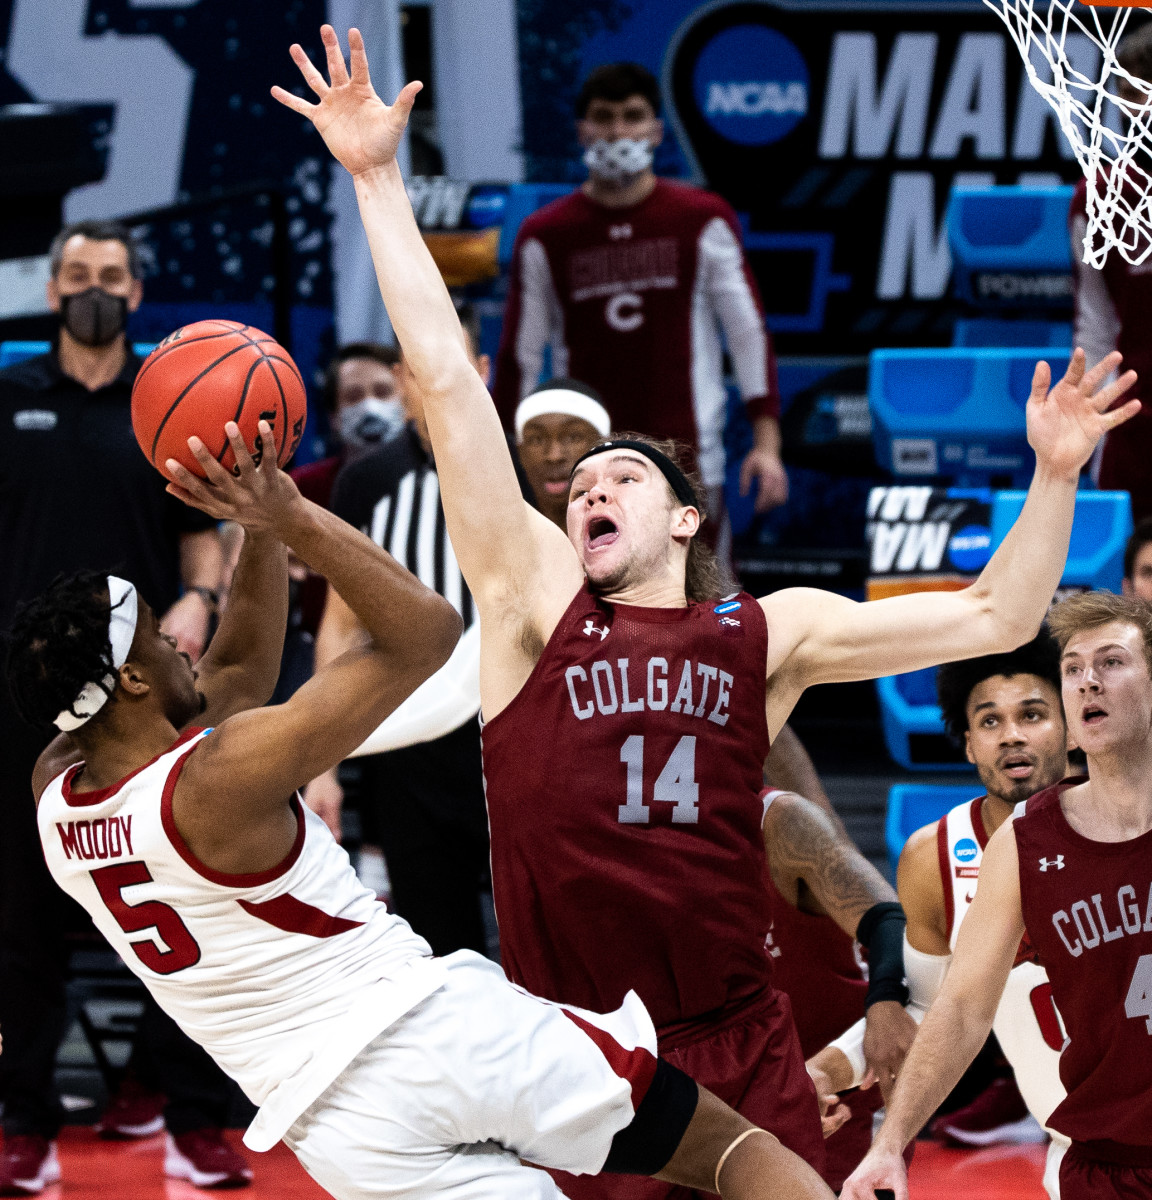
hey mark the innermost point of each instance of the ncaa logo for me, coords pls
(965, 850)
(751, 84)
(970, 548)
(732, 606)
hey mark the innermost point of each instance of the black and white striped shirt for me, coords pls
(393, 495)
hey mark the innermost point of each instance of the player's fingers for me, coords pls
(1076, 366)
(245, 467)
(358, 57)
(190, 489)
(312, 77)
(215, 473)
(1108, 396)
(271, 451)
(1041, 381)
(407, 98)
(1096, 376)
(1119, 415)
(337, 70)
(296, 103)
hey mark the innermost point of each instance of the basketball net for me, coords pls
(1069, 51)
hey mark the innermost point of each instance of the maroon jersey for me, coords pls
(623, 787)
(1088, 910)
(632, 301)
(818, 966)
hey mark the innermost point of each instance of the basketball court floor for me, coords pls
(95, 1170)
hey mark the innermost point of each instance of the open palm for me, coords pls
(1066, 422)
(360, 130)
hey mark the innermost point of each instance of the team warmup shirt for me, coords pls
(283, 976)
(623, 786)
(1027, 1023)
(631, 301)
(1088, 910)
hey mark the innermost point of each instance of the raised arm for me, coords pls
(256, 759)
(819, 637)
(957, 1024)
(504, 549)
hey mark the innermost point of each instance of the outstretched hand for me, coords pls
(1066, 422)
(360, 130)
(257, 497)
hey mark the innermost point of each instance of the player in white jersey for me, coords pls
(168, 808)
(1007, 710)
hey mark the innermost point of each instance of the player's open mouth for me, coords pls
(1018, 767)
(601, 532)
(1093, 715)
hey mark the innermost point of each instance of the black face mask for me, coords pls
(94, 317)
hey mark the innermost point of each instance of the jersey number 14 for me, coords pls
(676, 784)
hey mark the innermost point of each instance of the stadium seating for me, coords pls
(912, 805)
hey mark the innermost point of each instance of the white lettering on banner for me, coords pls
(898, 503)
(914, 244)
(149, 83)
(924, 546)
(973, 104)
(852, 103)
(1034, 113)
(752, 99)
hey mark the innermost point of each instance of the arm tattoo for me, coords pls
(803, 844)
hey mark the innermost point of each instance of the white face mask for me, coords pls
(616, 162)
(370, 422)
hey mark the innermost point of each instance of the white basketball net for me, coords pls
(1069, 50)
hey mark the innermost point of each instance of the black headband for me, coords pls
(684, 492)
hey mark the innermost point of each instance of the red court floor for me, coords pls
(98, 1170)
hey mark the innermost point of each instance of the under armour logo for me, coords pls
(1057, 862)
(616, 232)
(590, 627)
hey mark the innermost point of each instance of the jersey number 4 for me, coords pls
(1138, 1002)
(676, 784)
(158, 919)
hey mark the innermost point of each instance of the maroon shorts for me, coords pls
(1086, 1176)
(752, 1061)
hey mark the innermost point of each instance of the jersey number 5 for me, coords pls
(150, 915)
(675, 785)
(1138, 1002)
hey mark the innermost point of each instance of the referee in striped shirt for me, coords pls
(422, 804)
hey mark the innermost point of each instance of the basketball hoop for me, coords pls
(1069, 52)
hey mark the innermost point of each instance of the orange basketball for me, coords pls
(206, 374)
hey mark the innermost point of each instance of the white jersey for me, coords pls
(1027, 1024)
(283, 976)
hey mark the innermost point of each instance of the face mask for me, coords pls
(370, 422)
(615, 162)
(94, 317)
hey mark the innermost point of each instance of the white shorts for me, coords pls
(481, 1074)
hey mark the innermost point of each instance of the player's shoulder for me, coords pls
(697, 201)
(920, 852)
(30, 374)
(556, 214)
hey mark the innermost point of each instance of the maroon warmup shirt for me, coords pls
(623, 787)
(632, 301)
(1088, 910)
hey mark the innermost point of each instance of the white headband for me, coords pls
(121, 631)
(566, 402)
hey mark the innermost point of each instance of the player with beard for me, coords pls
(1006, 709)
(1073, 867)
(628, 709)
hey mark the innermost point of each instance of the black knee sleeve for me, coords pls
(647, 1143)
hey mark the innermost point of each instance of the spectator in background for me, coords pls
(1138, 562)
(1114, 312)
(422, 798)
(630, 280)
(554, 426)
(75, 492)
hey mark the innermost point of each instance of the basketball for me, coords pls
(210, 372)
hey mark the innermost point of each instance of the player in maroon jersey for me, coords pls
(1074, 868)
(627, 709)
(820, 888)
